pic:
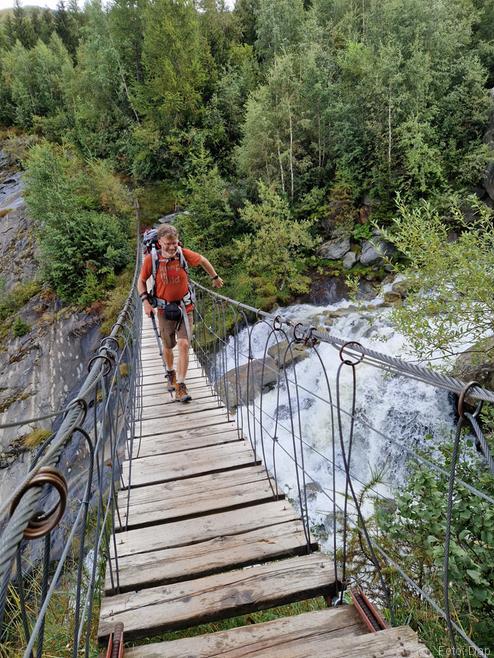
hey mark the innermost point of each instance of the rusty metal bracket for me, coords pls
(367, 611)
(41, 524)
(115, 647)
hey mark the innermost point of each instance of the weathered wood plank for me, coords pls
(278, 638)
(182, 488)
(191, 421)
(219, 596)
(180, 409)
(189, 463)
(162, 396)
(192, 531)
(208, 557)
(160, 377)
(197, 504)
(161, 445)
(154, 380)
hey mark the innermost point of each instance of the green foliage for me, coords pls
(414, 530)
(82, 247)
(12, 301)
(451, 282)
(272, 253)
(209, 221)
(174, 57)
(101, 107)
(36, 79)
(20, 327)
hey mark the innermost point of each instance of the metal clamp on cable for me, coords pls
(42, 523)
(358, 359)
(462, 398)
(309, 339)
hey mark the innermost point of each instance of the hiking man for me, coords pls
(174, 302)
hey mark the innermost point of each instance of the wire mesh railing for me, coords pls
(411, 540)
(58, 523)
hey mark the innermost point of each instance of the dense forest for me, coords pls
(278, 125)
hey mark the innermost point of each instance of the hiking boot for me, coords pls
(171, 380)
(181, 393)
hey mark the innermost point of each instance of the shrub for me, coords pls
(20, 328)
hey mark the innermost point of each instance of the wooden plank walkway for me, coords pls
(206, 535)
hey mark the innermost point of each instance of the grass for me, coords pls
(116, 299)
(35, 438)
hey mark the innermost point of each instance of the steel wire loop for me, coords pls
(43, 522)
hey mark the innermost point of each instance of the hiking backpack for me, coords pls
(151, 246)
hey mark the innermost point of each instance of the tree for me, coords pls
(209, 224)
(102, 113)
(284, 136)
(174, 74)
(81, 247)
(279, 27)
(22, 26)
(272, 267)
(37, 79)
(451, 282)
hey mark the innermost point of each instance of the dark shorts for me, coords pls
(169, 332)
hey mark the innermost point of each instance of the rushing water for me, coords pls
(394, 413)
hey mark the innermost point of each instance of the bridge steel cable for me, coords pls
(219, 342)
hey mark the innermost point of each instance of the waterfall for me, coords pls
(394, 413)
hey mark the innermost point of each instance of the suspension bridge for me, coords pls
(181, 520)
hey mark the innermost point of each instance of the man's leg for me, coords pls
(167, 333)
(183, 360)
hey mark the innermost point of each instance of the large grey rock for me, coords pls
(349, 260)
(375, 250)
(251, 381)
(334, 249)
(283, 357)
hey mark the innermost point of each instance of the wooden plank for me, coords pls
(192, 531)
(278, 638)
(390, 643)
(182, 488)
(181, 409)
(189, 463)
(189, 421)
(160, 377)
(161, 445)
(195, 382)
(208, 557)
(196, 504)
(162, 396)
(223, 595)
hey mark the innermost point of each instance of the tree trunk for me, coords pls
(291, 153)
(282, 175)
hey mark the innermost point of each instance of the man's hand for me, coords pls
(218, 283)
(148, 309)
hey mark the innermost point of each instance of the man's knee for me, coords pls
(183, 343)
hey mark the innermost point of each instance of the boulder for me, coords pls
(349, 260)
(375, 250)
(392, 297)
(282, 357)
(257, 380)
(334, 249)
